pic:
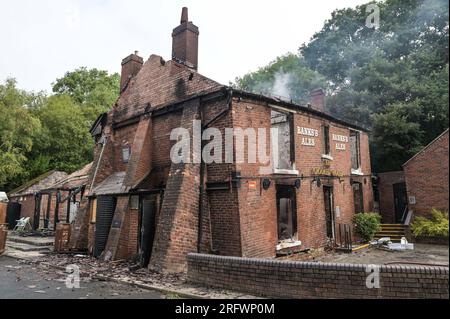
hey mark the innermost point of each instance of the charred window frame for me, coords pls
(355, 152)
(326, 140)
(284, 121)
(286, 213)
(126, 154)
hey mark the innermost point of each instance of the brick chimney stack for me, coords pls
(130, 67)
(185, 41)
(318, 100)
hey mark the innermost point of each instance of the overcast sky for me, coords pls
(41, 40)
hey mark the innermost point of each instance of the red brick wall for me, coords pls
(177, 227)
(427, 177)
(258, 210)
(289, 279)
(386, 183)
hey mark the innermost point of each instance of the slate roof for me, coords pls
(113, 184)
(41, 182)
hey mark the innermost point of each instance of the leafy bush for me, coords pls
(436, 226)
(367, 225)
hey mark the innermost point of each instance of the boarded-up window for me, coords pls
(355, 150)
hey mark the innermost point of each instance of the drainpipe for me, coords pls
(103, 141)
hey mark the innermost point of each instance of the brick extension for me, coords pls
(426, 176)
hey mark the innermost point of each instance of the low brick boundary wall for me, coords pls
(292, 279)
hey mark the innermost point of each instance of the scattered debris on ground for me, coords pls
(92, 269)
(386, 244)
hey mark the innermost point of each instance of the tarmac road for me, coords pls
(19, 280)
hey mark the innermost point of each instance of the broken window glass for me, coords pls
(283, 150)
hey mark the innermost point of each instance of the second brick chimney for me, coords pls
(185, 42)
(130, 67)
(318, 100)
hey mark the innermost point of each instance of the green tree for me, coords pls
(392, 79)
(65, 143)
(95, 90)
(17, 129)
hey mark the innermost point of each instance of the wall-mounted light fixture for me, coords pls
(266, 183)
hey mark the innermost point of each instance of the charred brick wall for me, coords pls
(257, 208)
(177, 226)
(426, 177)
(289, 279)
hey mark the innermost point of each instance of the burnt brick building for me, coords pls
(143, 205)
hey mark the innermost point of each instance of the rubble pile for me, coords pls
(121, 270)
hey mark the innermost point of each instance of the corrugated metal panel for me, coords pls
(105, 211)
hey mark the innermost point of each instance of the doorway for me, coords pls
(147, 227)
(329, 212)
(286, 213)
(358, 197)
(400, 202)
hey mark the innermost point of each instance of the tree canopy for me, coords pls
(40, 132)
(392, 79)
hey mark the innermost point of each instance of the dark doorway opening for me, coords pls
(329, 212)
(400, 202)
(106, 206)
(286, 212)
(12, 214)
(147, 227)
(358, 197)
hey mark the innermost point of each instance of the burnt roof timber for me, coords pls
(220, 93)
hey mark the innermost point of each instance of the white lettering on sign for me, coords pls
(340, 146)
(307, 141)
(340, 138)
(307, 131)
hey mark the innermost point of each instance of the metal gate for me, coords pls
(12, 214)
(147, 231)
(105, 212)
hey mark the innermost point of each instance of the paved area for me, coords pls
(21, 280)
(422, 253)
